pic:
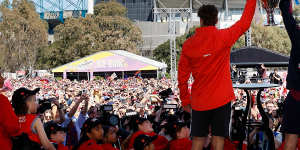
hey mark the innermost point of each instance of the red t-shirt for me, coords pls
(207, 56)
(90, 145)
(26, 124)
(160, 143)
(60, 146)
(9, 125)
(181, 144)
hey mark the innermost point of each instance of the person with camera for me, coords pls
(206, 55)
(91, 135)
(25, 107)
(73, 124)
(258, 136)
(291, 121)
(144, 126)
(275, 77)
(56, 134)
(9, 125)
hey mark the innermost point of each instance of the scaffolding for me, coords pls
(60, 9)
(171, 13)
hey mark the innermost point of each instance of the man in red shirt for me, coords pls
(206, 55)
(9, 123)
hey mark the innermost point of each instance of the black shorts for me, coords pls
(291, 121)
(218, 119)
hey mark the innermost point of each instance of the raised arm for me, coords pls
(242, 25)
(288, 19)
(75, 107)
(60, 111)
(83, 114)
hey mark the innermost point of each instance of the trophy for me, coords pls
(269, 6)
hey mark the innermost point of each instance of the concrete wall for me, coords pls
(156, 33)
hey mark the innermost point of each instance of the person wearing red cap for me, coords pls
(144, 126)
(144, 142)
(56, 135)
(206, 55)
(181, 137)
(91, 134)
(25, 107)
(9, 125)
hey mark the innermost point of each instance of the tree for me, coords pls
(162, 52)
(118, 33)
(272, 37)
(111, 8)
(22, 35)
(79, 37)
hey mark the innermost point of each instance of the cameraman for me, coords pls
(25, 107)
(257, 136)
(47, 113)
(275, 77)
(9, 125)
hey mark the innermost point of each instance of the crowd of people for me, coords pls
(151, 114)
(115, 113)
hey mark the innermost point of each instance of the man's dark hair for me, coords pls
(209, 15)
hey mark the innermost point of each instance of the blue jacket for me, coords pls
(293, 77)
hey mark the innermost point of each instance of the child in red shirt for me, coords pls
(91, 133)
(56, 134)
(181, 136)
(109, 138)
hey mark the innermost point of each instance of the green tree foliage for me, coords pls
(111, 8)
(108, 29)
(23, 34)
(269, 37)
(273, 38)
(162, 52)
